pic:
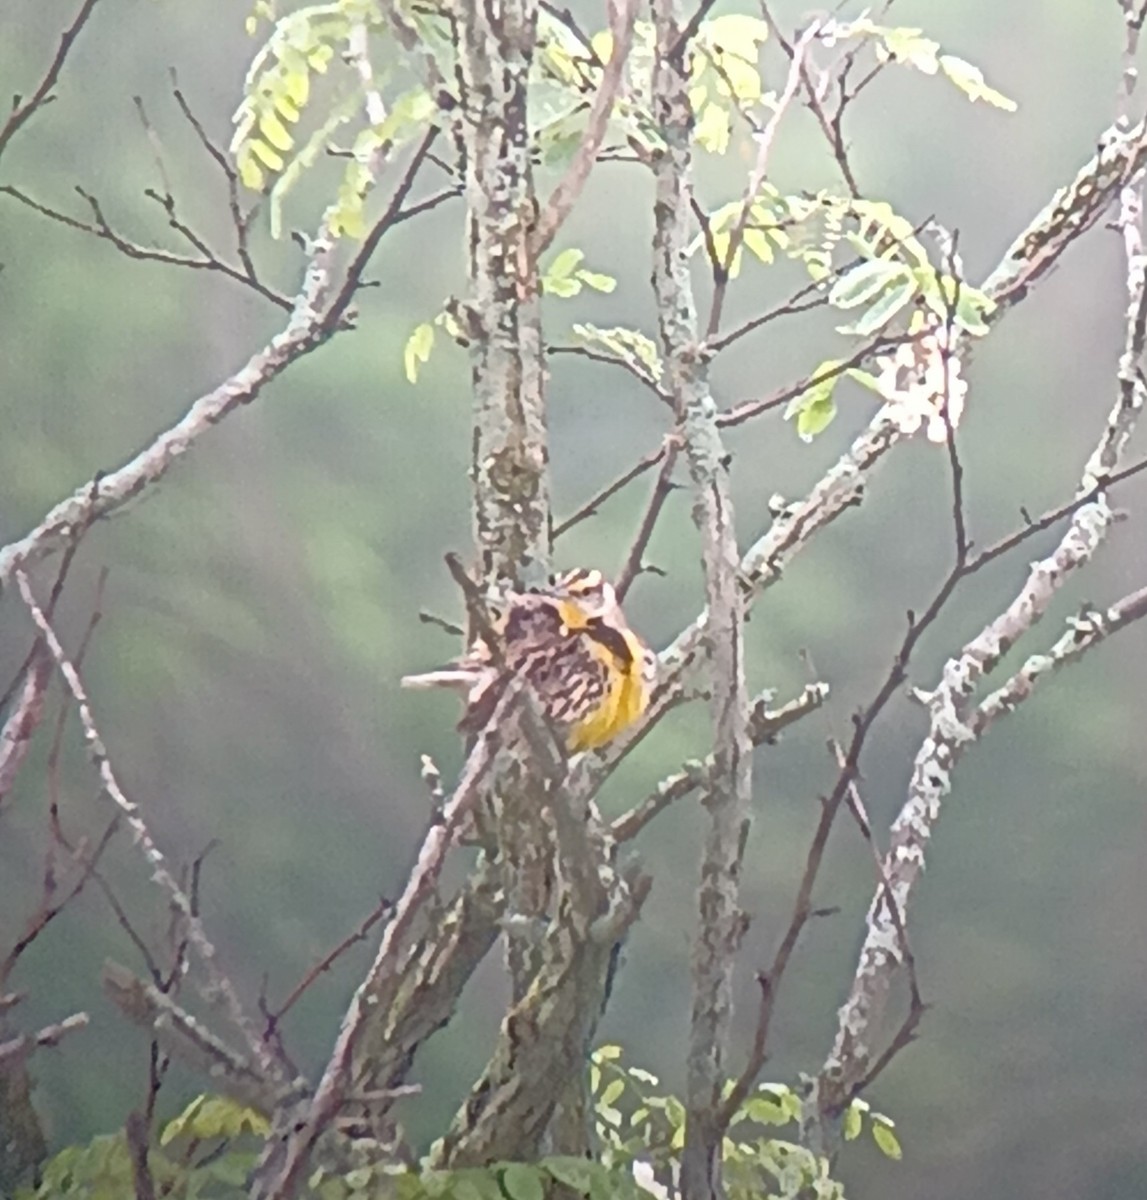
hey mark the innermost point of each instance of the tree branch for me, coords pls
(295, 1133)
(24, 111)
(720, 920)
(622, 14)
(221, 991)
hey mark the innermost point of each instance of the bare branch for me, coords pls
(190, 1042)
(138, 1136)
(720, 921)
(22, 722)
(239, 219)
(635, 560)
(590, 508)
(23, 110)
(757, 178)
(288, 1150)
(622, 14)
(221, 989)
(314, 318)
(326, 962)
(16, 1050)
(765, 724)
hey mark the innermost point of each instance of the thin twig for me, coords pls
(22, 111)
(591, 506)
(14, 1051)
(757, 179)
(239, 219)
(328, 960)
(622, 14)
(285, 1161)
(221, 986)
(634, 560)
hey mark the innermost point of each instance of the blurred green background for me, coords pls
(264, 601)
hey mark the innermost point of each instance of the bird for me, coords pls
(570, 641)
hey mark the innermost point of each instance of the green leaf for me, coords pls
(231, 1169)
(178, 1125)
(607, 1053)
(612, 1092)
(766, 1112)
(867, 380)
(853, 1122)
(885, 1139)
(523, 1182)
(972, 307)
(576, 1173)
(597, 281)
(560, 287)
(815, 407)
(885, 308)
(712, 129)
(565, 264)
(275, 131)
(970, 80)
(737, 32)
(409, 112)
(858, 286)
(437, 1183)
(757, 242)
(417, 350)
(475, 1183)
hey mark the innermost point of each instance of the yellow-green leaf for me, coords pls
(266, 155)
(298, 86)
(859, 285)
(562, 288)
(712, 128)
(758, 244)
(275, 131)
(737, 32)
(417, 350)
(970, 80)
(286, 108)
(566, 263)
(249, 170)
(597, 281)
(886, 1140)
(523, 1182)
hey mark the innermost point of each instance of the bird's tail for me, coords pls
(455, 677)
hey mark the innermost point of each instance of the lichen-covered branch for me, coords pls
(729, 786)
(1067, 216)
(318, 313)
(219, 988)
(545, 1038)
(191, 1043)
(765, 724)
(15, 1051)
(510, 455)
(296, 1132)
(622, 14)
(955, 721)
